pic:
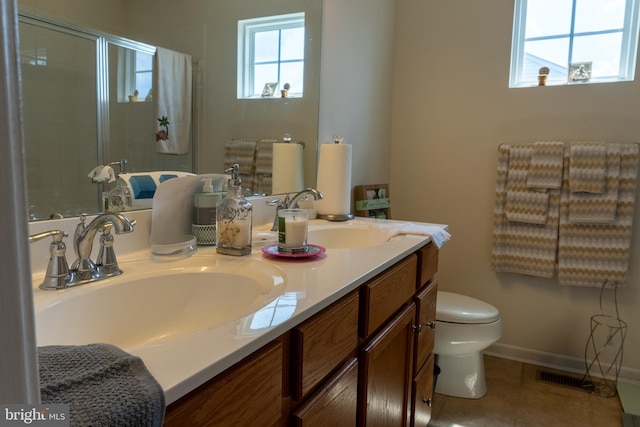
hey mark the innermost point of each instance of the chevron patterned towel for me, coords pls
(587, 167)
(590, 254)
(545, 170)
(598, 208)
(520, 247)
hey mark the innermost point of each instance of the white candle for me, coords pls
(296, 232)
(292, 229)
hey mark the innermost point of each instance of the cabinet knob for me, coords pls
(431, 325)
(427, 401)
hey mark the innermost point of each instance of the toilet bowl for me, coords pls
(465, 326)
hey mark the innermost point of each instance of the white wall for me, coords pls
(451, 109)
(355, 83)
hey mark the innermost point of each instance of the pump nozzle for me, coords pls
(234, 171)
(207, 187)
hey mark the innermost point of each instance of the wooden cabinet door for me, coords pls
(423, 395)
(333, 405)
(426, 323)
(247, 394)
(386, 365)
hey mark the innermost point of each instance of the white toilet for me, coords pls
(465, 326)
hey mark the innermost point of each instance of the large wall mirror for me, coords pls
(64, 105)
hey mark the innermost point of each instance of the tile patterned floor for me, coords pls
(515, 398)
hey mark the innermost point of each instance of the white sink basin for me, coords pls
(152, 302)
(347, 236)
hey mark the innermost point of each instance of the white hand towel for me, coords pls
(174, 101)
(102, 174)
(437, 233)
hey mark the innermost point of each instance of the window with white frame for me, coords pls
(574, 41)
(135, 75)
(271, 56)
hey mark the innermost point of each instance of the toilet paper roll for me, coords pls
(334, 179)
(288, 170)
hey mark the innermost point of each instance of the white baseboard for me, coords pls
(553, 360)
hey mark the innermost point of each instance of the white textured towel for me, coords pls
(437, 233)
(174, 101)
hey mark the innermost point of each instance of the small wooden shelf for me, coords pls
(373, 201)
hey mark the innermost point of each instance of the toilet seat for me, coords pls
(456, 308)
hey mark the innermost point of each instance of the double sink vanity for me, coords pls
(344, 338)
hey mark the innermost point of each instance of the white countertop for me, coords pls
(182, 364)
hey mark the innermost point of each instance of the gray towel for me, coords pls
(102, 384)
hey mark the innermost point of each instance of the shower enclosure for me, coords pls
(87, 101)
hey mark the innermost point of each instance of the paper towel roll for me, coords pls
(287, 168)
(334, 179)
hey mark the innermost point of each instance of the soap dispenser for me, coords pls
(234, 216)
(204, 213)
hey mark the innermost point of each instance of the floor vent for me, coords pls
(560, 379)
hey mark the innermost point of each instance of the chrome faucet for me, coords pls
(83, 269)
(292, 202)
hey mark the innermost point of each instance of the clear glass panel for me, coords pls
(293, 73)
(554, 51)
(598, 15)
(60, 121)
(548, 17)
(602, 50)
(266, 46)
(266, 73)
(292, 44)
(144, 82)
(144, 61)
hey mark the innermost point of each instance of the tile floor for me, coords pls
(516, 399)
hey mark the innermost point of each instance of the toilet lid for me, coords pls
(456, 308)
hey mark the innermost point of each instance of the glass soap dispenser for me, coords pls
(233, 218)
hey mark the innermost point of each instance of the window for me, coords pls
(271, 56)
(556, 34)
(135, 75)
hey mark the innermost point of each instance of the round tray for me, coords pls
(314, 250)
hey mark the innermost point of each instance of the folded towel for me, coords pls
(438, 234)
(545, 169)
(587, 167)
(522, 203)
(598, 208)
(590, 254)
(520, 247)
(527, 206)
(102, 384)
(174, 101)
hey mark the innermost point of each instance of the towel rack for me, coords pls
(500, 146)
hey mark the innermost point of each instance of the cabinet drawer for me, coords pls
(385, 294)
(423, 395)
(248, 393)
(428, 263)
(320, 344)
(426, 322)
(334, 404)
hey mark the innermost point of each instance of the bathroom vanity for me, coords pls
(344, 338)
(366, 360)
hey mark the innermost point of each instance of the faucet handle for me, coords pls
(57, 275)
